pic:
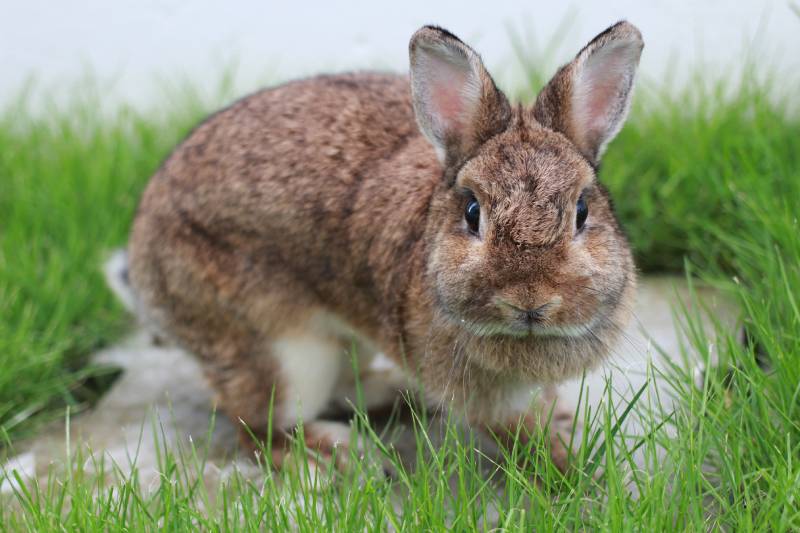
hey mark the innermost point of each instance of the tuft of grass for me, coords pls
(694, 168)
(70, 179)
(450, 486)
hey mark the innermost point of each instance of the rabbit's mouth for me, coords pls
(550, 350)
(520, 329)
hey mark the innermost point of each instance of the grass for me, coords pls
(69, 183)
(706, 178)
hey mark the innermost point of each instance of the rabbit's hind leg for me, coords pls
(290, 378)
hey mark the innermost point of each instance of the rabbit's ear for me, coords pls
(457, 105)
(588, 99)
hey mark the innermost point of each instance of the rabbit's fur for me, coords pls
(331, 210)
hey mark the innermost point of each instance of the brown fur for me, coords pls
(322, 195)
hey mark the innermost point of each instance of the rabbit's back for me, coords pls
(304, 189)
(302, 142)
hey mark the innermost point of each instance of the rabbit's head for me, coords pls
(526, 258)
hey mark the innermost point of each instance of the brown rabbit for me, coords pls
(466, 239)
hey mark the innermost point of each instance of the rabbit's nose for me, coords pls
(534, 315)
(529, 315)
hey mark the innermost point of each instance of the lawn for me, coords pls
(706, 181)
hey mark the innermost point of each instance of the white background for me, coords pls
(135, 42)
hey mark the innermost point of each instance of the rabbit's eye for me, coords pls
(472, 214)
(581, 212)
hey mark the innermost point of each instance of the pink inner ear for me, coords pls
(598, 95)
(450, 95)
(599, 100)
(449, 105)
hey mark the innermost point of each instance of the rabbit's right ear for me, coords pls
(457, 105)
(588, 99)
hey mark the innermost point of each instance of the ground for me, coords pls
(164, 384)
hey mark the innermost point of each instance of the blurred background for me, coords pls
(129, 44)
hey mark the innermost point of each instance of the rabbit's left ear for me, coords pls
(456, 103)
(588, 99)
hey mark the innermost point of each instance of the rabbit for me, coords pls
(425, 218)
